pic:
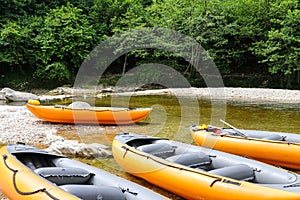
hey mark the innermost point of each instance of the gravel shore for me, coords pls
(229, 94)
(17, 124)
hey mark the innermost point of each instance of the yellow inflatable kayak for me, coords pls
(83, 113)
(277, 148)
(28, 173)
(195, 172)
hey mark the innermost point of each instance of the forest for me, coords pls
(253, 43)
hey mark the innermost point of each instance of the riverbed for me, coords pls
(170, 118)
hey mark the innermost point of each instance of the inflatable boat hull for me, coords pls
(277, 148)
(96, 115)
(33, 174)
(192, 180)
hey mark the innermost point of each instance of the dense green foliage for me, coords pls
(46, 41)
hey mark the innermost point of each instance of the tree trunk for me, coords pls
(124, 65)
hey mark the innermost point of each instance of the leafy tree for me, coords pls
(107, 13)
(17, 46)
(281, 50)
(65, 40)
(250, 22)
(202, 20)
(52, 37)
(13, 9)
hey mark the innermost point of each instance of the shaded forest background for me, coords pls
(253, 43)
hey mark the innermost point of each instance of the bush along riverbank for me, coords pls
(262, 41)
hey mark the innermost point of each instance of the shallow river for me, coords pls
(171, 116)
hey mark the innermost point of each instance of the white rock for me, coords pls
(12, 95)
(74, 148)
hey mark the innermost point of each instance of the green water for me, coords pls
(171, 117)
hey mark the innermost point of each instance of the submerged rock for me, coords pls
(74, 148)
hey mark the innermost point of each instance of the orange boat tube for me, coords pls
(91, 115)
(170, 165)
(22, 183)
(29, 173)
(277, 148)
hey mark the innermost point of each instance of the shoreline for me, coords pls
(236, 94)
(258, 95)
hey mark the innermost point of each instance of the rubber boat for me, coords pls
(195, 172)
(277, 148)
(34, 174)
(83, 113)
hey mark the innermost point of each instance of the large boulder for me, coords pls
(2, 95)
(12, 95)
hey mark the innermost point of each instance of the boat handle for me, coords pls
(15, 171)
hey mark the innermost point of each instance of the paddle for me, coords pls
(241, 133)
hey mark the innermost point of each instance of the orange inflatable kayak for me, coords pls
(28, 173)
(84, 114)
(195, 172)
(277, 148)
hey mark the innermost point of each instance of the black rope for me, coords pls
(172, 166)
(212, 183)
(127, 190)
(15, 184)
(262, 140)
(292, 185)
(231, 182)
(126, 150)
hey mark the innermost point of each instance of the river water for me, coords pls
(171, 116)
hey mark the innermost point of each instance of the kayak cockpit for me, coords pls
(216, 162)
(74, 180)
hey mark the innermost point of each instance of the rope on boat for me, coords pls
(15, 184)
(127, 190)
(217, 179)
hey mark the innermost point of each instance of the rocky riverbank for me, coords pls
(229, 94)
(18, 124)
(226, 93)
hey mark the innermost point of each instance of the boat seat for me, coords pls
(92, 192)
(191, 159)
(162, 150)
(274, 137)
(238, 172)
(62, 176)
